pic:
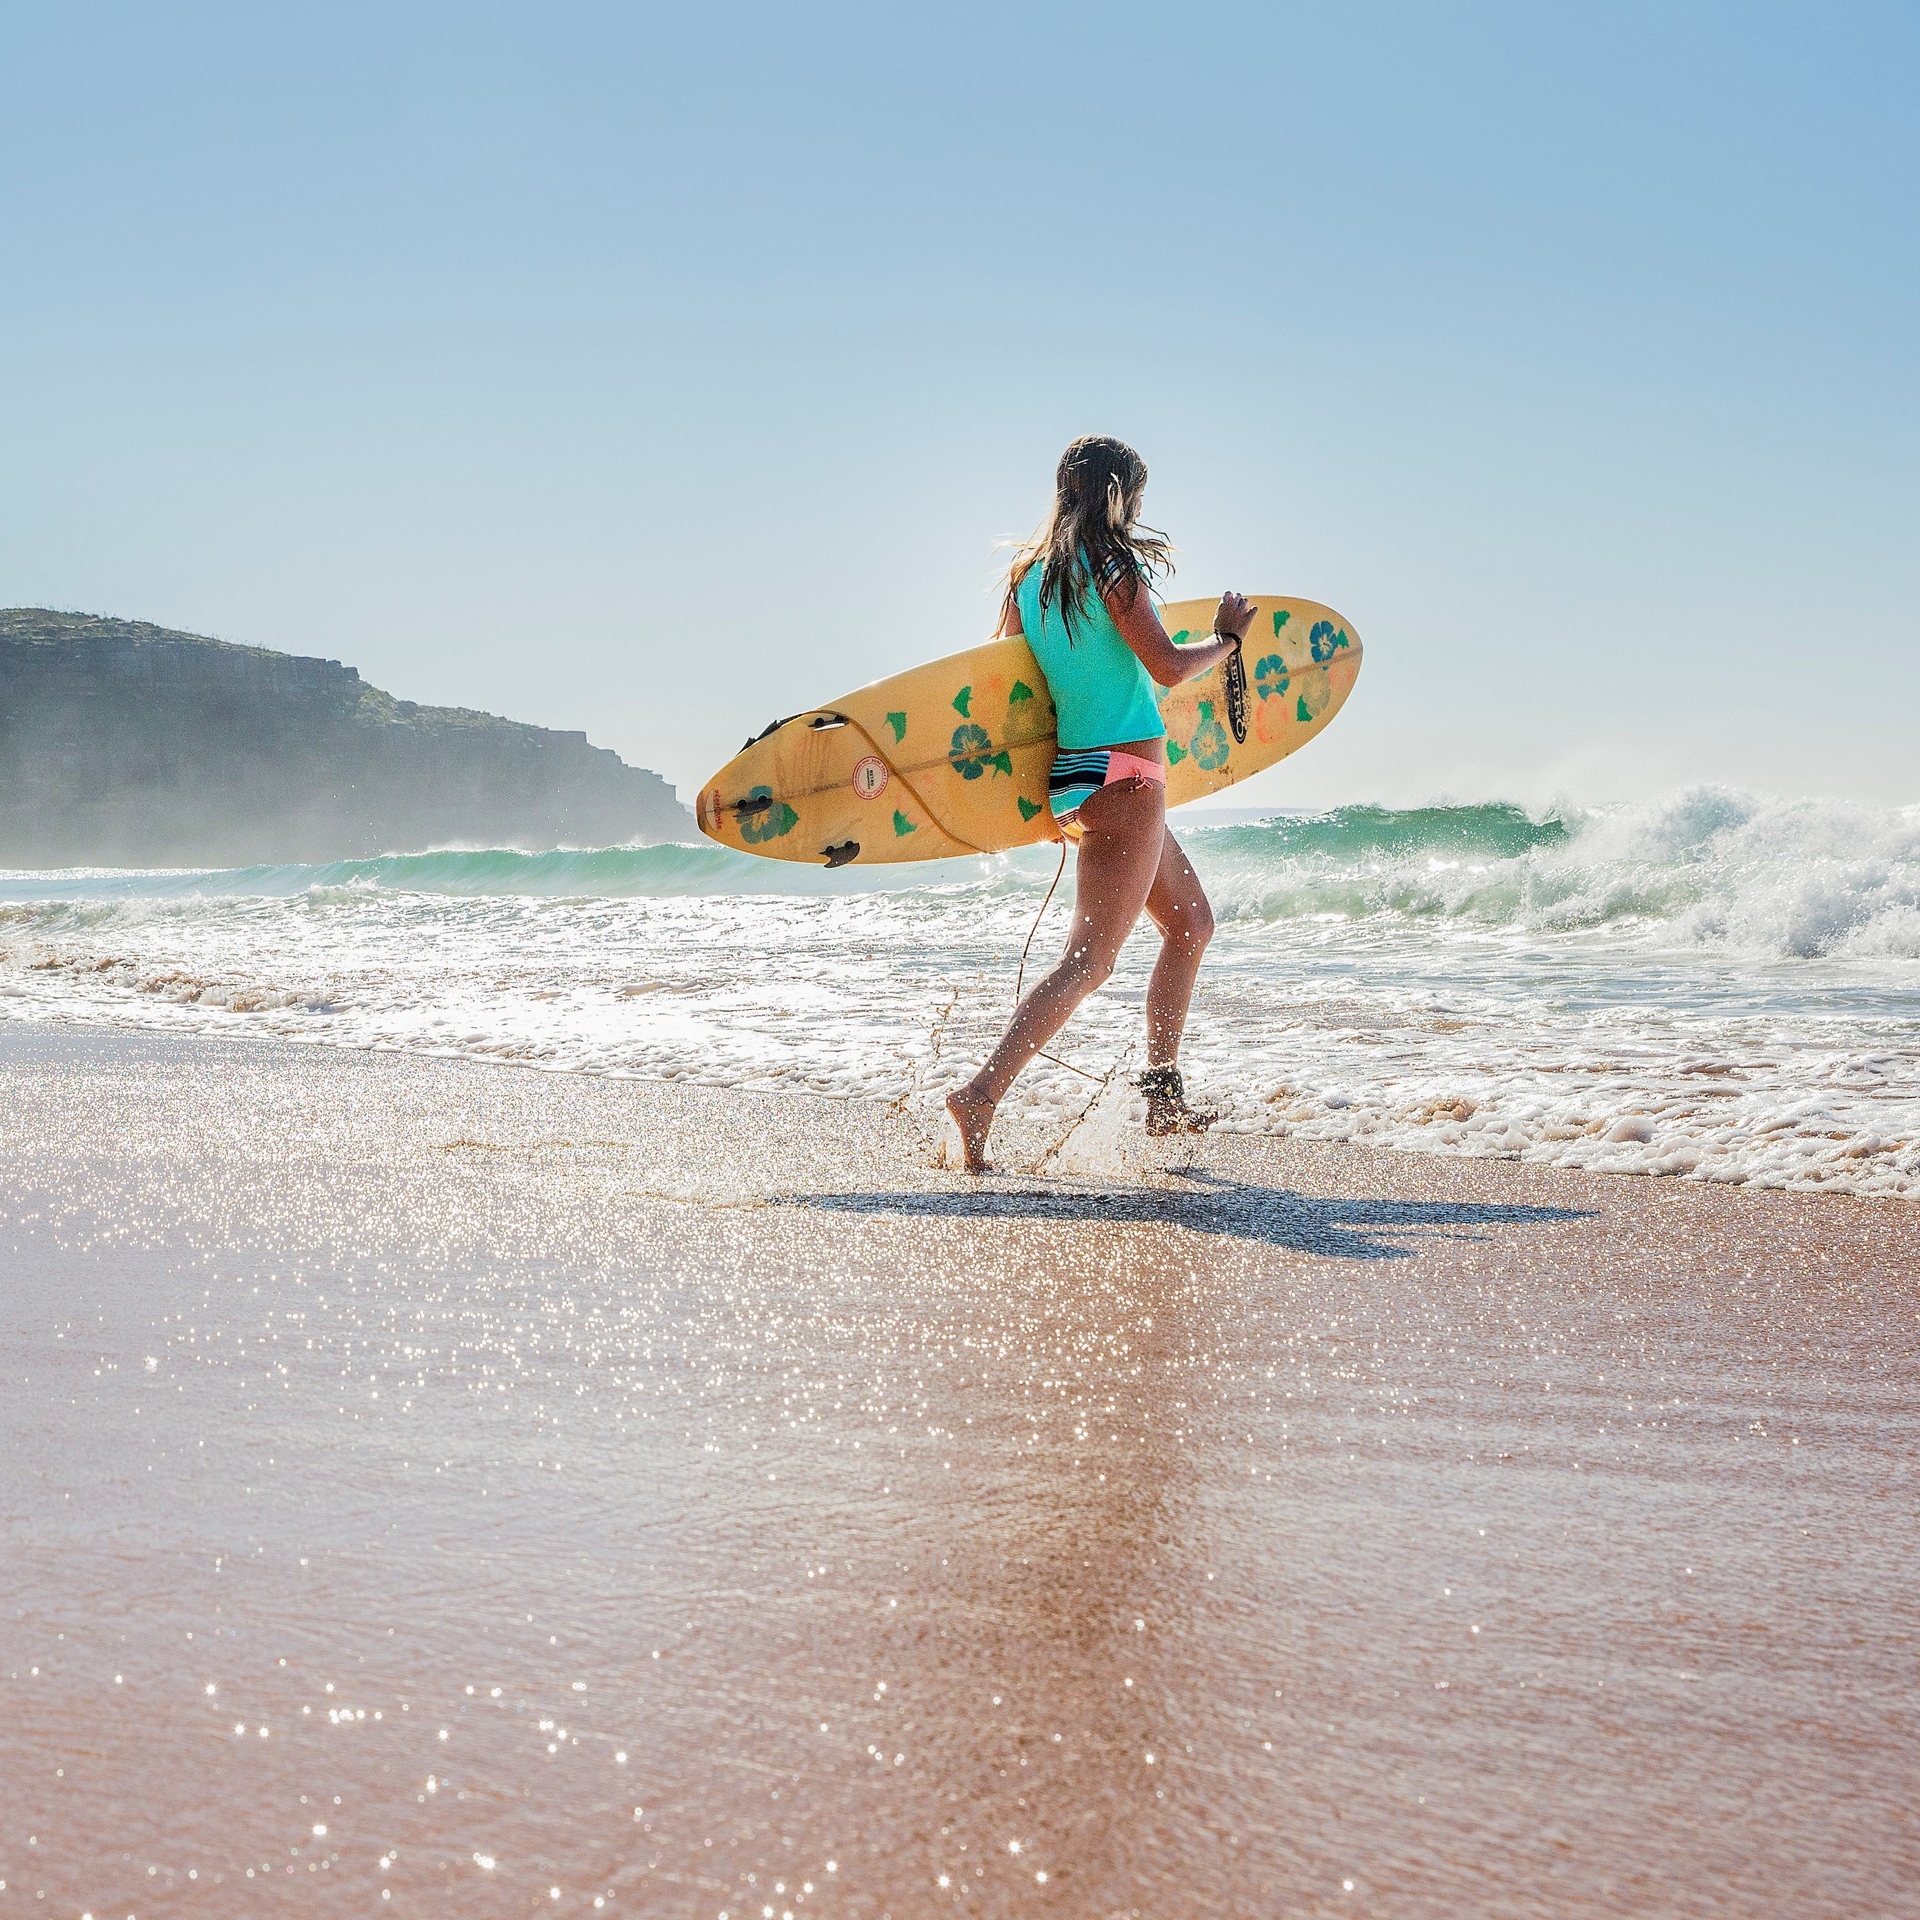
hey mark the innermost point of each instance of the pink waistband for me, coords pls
(1134, 766)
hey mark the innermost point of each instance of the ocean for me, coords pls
(1714, 987)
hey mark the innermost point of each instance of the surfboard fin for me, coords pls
(840, 855)
(818, 721)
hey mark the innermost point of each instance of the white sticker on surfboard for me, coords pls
(870, 777)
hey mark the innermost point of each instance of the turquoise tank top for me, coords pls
(1102, 695)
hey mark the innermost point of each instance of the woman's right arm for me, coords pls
(1132, 609)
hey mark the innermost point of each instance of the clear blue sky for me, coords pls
(660, 371)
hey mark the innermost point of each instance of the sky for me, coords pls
(660, 372)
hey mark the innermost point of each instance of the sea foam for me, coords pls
(1716, 985)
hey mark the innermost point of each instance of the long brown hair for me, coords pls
(1090, 536)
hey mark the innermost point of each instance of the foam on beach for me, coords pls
(1715, 986)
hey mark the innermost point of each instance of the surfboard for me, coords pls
(952, 757)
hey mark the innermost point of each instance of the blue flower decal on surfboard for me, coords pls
(971, 753)
(1326, 640)
(1210, 744)
(1270, 678)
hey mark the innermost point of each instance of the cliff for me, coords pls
(123, 744)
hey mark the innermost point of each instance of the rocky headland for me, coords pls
(124, 744)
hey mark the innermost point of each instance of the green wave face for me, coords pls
(1352, 860)
(1495, 865)
(1349, 838)
(1499, 831)
(1702, 860)
(1792, 878)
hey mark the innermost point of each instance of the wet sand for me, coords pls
(435, 1487)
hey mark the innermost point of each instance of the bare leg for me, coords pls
(1114, 872)
(1177, 905)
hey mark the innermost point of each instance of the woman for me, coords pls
(1079, 593)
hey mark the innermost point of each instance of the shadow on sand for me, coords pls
(1269, 1216)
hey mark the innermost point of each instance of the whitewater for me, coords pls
(1715, 986)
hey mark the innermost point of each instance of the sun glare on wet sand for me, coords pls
(434, 1487)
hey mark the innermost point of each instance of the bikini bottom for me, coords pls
(1079, 775)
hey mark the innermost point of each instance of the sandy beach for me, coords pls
(442, 1487)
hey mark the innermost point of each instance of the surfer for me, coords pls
(1078, 591)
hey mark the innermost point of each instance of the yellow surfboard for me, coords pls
(952, 757)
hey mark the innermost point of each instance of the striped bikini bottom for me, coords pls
(1079, 775)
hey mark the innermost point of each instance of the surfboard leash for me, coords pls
(1020, 978)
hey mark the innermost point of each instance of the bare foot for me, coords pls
(973, 1116)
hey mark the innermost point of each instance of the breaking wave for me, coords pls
(1794, 878)
(1716, 986)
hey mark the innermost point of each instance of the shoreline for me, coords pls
(1712, 986)
(694, 1501)
(1037, 1128)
